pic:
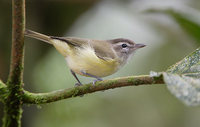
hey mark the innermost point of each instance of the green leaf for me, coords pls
(189, 25)
(189, 66)
(182, 79)
(185, 88)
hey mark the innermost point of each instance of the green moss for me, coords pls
(3, 91)
(75, 92)
(13, 105)
(130, 80)
(109, 83)
(21, 68)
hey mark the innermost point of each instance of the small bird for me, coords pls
(91, 58)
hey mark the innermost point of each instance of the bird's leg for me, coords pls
(93, 76)
(79, 83)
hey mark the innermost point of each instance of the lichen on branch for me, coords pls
(41, 98)
(13, 101)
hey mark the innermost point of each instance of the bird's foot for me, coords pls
(98, 79)
(90, 75)
(78, 84)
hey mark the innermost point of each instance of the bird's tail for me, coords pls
(38, 36)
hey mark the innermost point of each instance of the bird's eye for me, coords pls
(124, 45)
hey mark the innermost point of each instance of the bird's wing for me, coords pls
(103, 49)
(104, 52)
(77, 42)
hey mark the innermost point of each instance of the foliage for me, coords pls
(183, 81)
(185, 21)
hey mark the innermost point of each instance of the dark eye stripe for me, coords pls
(124, 45)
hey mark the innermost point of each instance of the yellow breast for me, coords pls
(86, 60)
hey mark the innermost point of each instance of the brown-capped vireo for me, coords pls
(88, 57)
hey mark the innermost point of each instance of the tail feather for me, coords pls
(38, 36)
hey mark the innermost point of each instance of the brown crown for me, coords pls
(122, 40)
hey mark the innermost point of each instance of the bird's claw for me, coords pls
(78, 84)
(99, 79)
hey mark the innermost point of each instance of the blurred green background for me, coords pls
(170, 28)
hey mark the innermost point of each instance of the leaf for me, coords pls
(185, 88)
(182, 79)
(189, 66)
(189, 25)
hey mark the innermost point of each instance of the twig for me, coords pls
(41, 98)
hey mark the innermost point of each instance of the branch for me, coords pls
(17, 57)
(41, 98)
(13, 103)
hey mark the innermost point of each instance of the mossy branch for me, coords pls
(3, 91)
(13, 101)
(41, 98)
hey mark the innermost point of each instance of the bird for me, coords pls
(90, 57)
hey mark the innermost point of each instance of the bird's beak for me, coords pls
(137, 46)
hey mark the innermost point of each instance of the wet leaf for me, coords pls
(189, 66)
(182, 79)
(185, 88)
